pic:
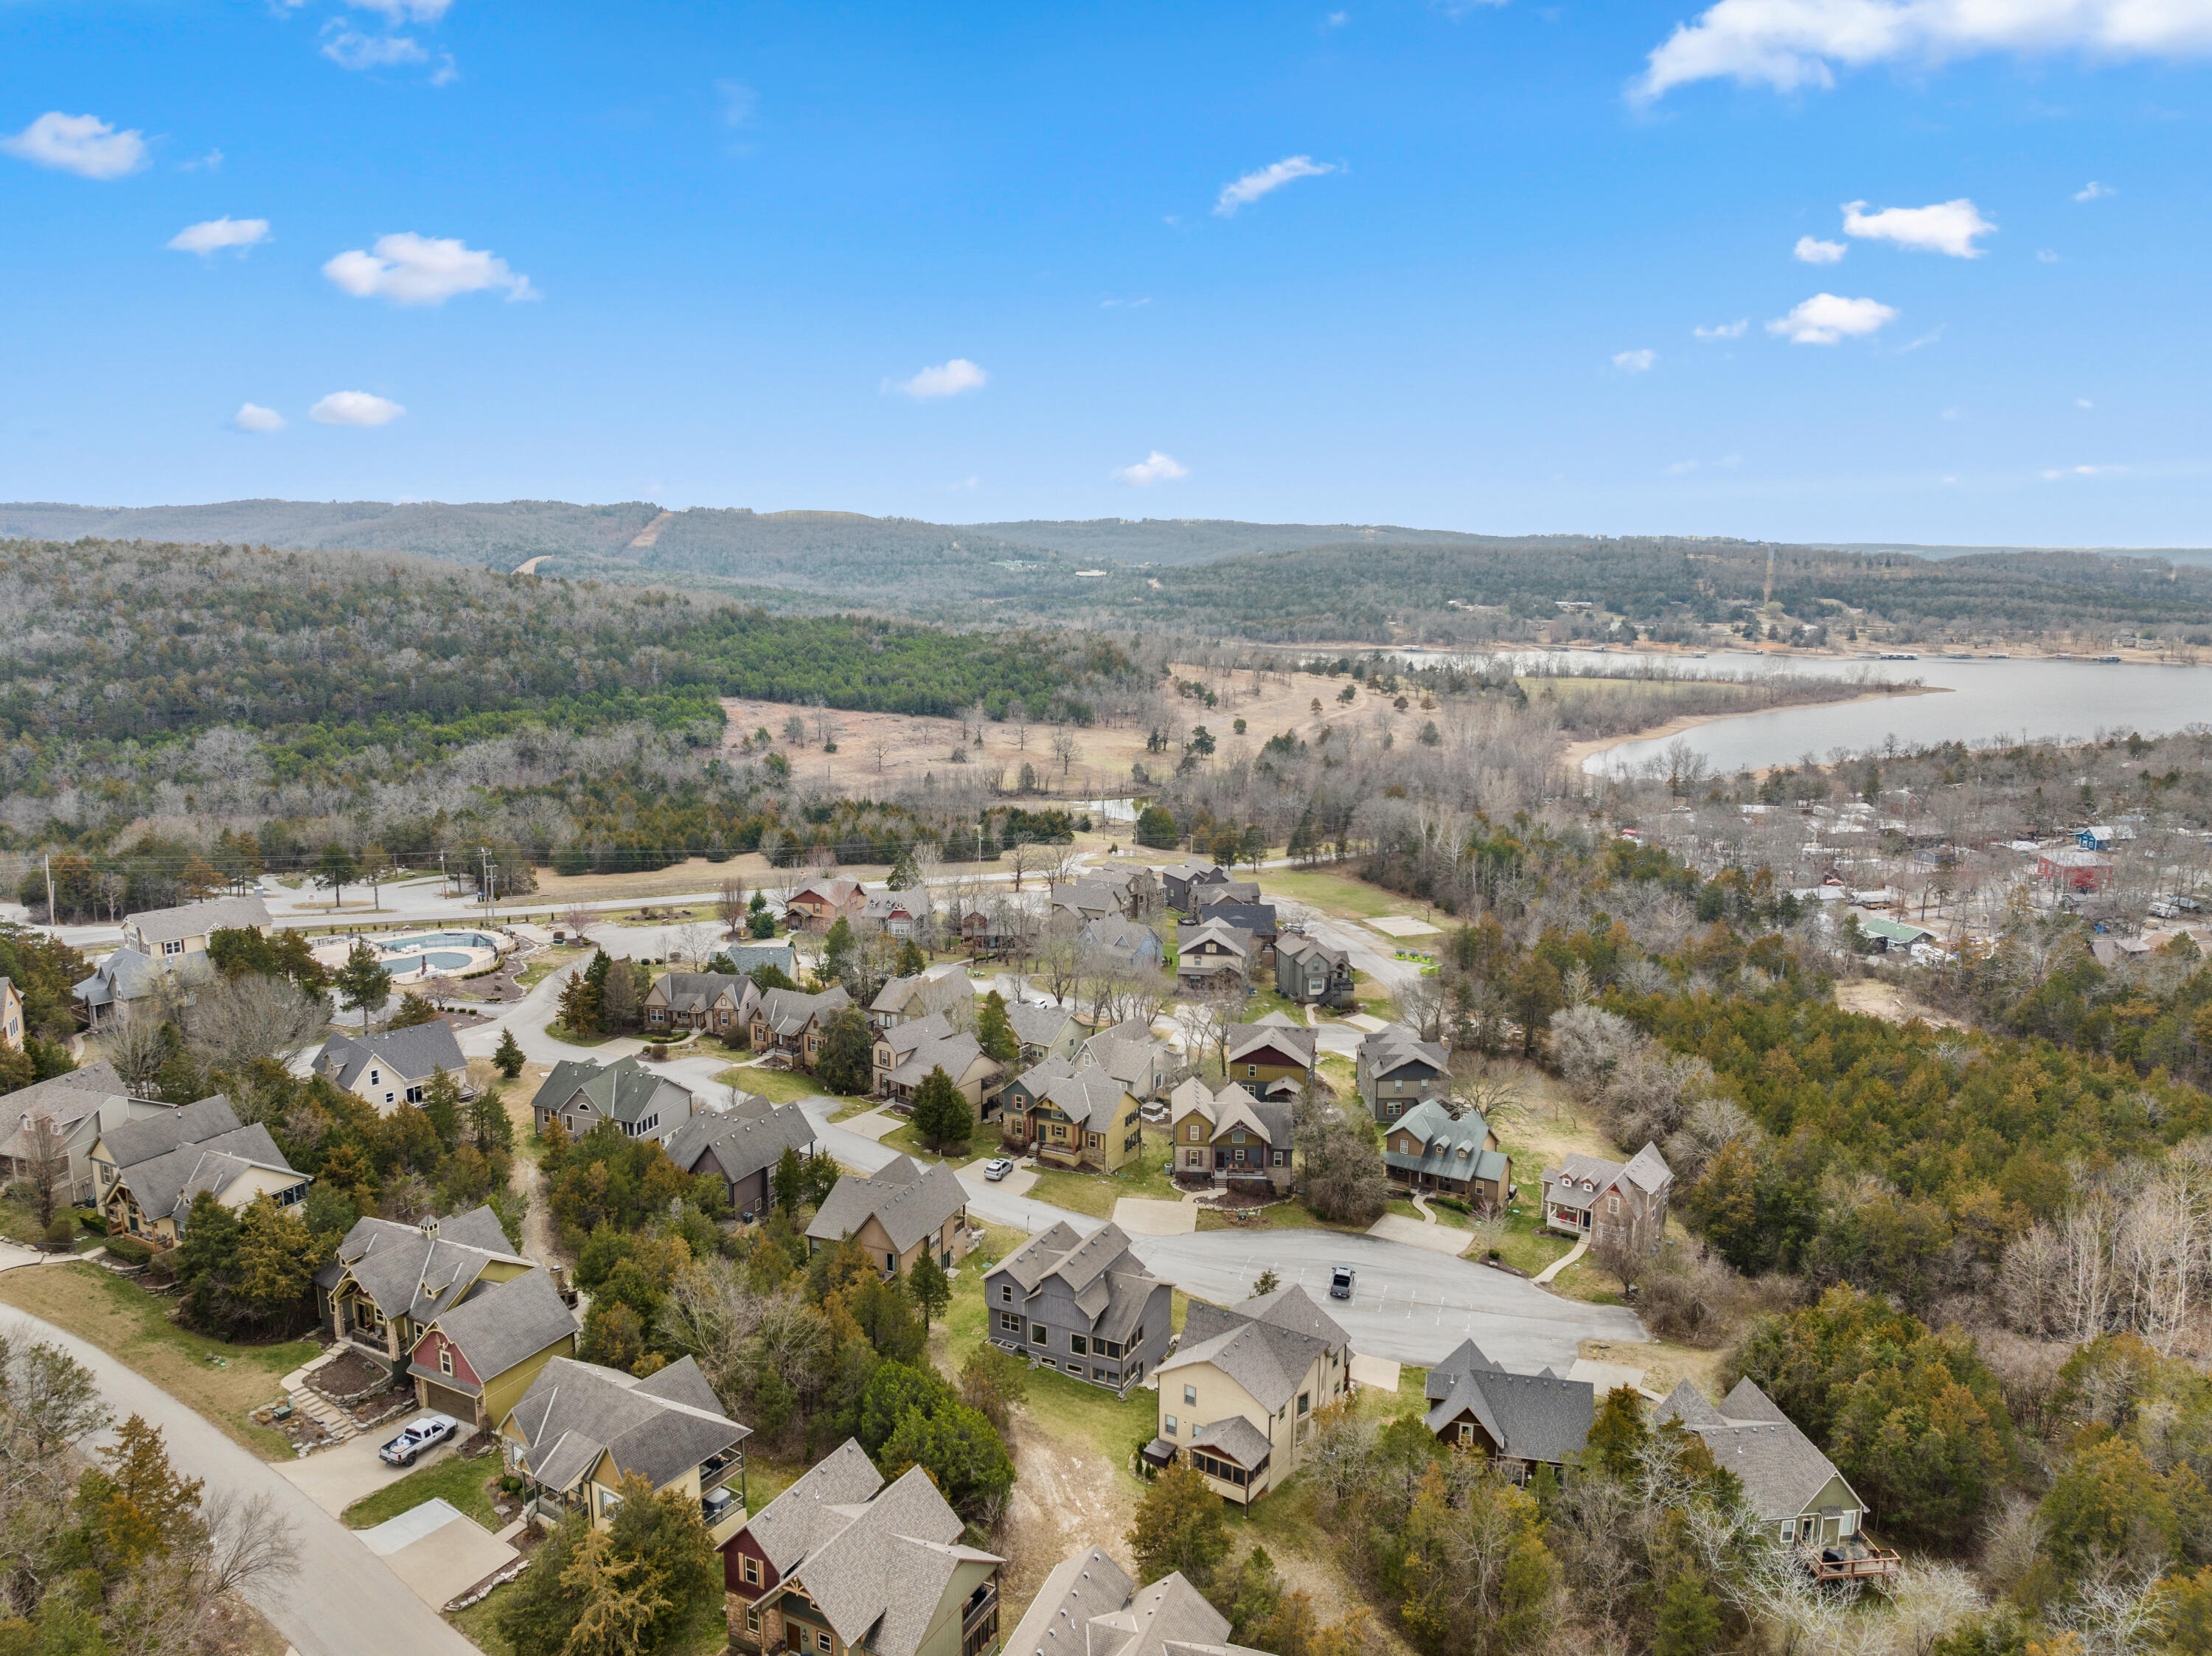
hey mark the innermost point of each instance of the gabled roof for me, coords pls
(1128, 1051)
(164, 1185)
(1236, 1437)
(1225, 890)
(1780, 1469)
(659, 1427)
(406, 1272)
(956, 1054)
(128, 974)
(818, 1504)
(135, 1142)
(904, 1038)
(1258, 918)
(697, 991)
(1190, 938)
(1298, 946)
(743, 1142)
(888, 905)
(1386, 1049)
(909, 1204)
(1449, 1149)
(1088, 1265)
(411, 1053)
(788, 1011)
(1083, 1584)
(1266, 1344)
(1536, 1417)
(1563, 1184)
(1120, 936)
(879, 1579)
(158, 925)
(624, 1091)
(1247, 1038)
(1168, 1617)
(496, 1326)
(1091, 1097)
(1229, 1109)
(64, 1100)
(1038, 1026)
(836, 890)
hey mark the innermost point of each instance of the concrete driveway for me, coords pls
(1141, 1216)
(1016, 1183)
(1410, 1304)
(437, 1550)
(335, 1478)
(1437, 1239)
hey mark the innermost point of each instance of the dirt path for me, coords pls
(1886, 1000)
(1064, 1498)
(527, 1179)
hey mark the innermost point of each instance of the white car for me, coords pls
(997, 1168)
(418, 1436)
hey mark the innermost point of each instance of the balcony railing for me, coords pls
(985, 1601)
(1852, 1559)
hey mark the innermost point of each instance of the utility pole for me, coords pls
(52, 919)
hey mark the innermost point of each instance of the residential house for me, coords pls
(1206, 898)
(1520, 1421)
(1124, 944)
(1213, 955)
(11, 1015)
(1787, 1482)
(820, 904)
(129, 975)
(850, 1564)
(2110, 951)
(167, 934)
(2073, 871)
(1257, 920)
(1230, 1137)
(1273, 1057)
(718, 1002)
(148, 1171)
(581, 1429)
(1069, 1113)
(940, 989)
(1083, 1305)
(789, 1021)
(749, 957)
(1044, 1030)
(895, 1213)
(1616, 1203)
(643, 1102)
(898, 914)
(1133, 1056)
(1238, 1398)
(76, 1108)
(999, 927)
(1430, 1148)
(741, 1146)
(906, 1054)
(1884, 936)
(1313, 972)
(1396, 1069)
(1089, 1604)
(1135, 883)
(1086, 900)
(386, 1068)
(471, 1320)
(1181, 881)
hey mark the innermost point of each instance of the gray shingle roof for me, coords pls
(909, 1205)
(1238, 1438)
(129, 973)
(1091, 1098)
(411, 1053)
(159, 926)
(1083, 1584)
(659, 1427)
(1190, 939)
(626, 1091)
(743, 1143)
(955, 1053)
(1449, 1149)
(142, 1141)
(694, 991)
(164, 1185)
(1386, 1049)
(1110, 1284)
(817, 1504)
(788, 1011)
(1038, 1026)
(407, 1273)
(1169, 1615)
(1266, 1345)
(1536, 1417)
(1647, 1169)
(879, 1579)
(498, 1324)
(63, 1100)
(1243, 1038)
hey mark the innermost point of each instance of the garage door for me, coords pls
(447, 1401)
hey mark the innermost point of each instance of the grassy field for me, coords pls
(546, 962)
(1094, 1194)
(777, 1086)
(461, 1484)
(567, 1037)
(1283, 1215)
(1340, 894)
(224, 1382)
(1406, 1210)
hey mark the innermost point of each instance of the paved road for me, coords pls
(345, 1601)
(1410, 1304)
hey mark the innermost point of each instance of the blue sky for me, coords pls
(980, 263)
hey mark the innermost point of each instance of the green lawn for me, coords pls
(562, 1032)
(1283, 1215)
(1339, 894)
(547, 962)
(460, 1483)
(1094, 1194)
(777, 1086)
(1406, 1210)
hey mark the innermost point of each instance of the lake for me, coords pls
(1979, 701)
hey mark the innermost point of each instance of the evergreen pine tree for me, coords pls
(789, 1181)
(1689, 1620)
(941, 1114)
(928, 1287)
(847, 1063)
(362, 983)
(442, 1106)
(508, 1056)
(911, 962)
(994, 1030)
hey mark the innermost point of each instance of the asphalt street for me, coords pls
(343, 1600)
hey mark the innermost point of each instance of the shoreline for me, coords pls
(1577, 753)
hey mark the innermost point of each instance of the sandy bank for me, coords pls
(1577, 752)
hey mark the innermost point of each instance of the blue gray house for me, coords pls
(1083, 1305)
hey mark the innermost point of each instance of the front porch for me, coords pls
(1852, 1558)
(1567, 1221)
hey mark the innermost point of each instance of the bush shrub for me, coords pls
(129, 1249)
(61, 1231)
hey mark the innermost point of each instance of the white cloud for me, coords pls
(739, 101)
(212, 161)
(1152, 468)
(2044, 255)
(1934, 335)
(2082, 471)
(252, 416)
(355, 408)
(1811, 249)
(2093, 190)
(396, 12)
(351, 49)
(82, 144)
(1948, 226)
(1954, 412)
(1790, 44)
(1724, 331)
(945, 380)
(448, 71)
(1731, 459)
(1681, 468)
(411, 269)
(1123, 304)
(2083, 402)
(217, 233)
(1635, 362)
(1337, 18)
(1825, 319)
(1253, 185)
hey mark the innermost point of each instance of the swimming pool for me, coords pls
(451, 939)
(439, 960)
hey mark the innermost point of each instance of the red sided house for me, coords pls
(818, 905)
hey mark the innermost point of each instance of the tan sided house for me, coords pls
(1230, 1137)
(149, 1172)
(896, 1214)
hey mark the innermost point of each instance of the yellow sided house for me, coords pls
(149, 1172)
(472, 1321)
(581, 1429)
(1229, 1138)
(897, 1214)
(1238, 1398)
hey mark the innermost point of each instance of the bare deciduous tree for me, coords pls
(234, 1021)
(137, 1043)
